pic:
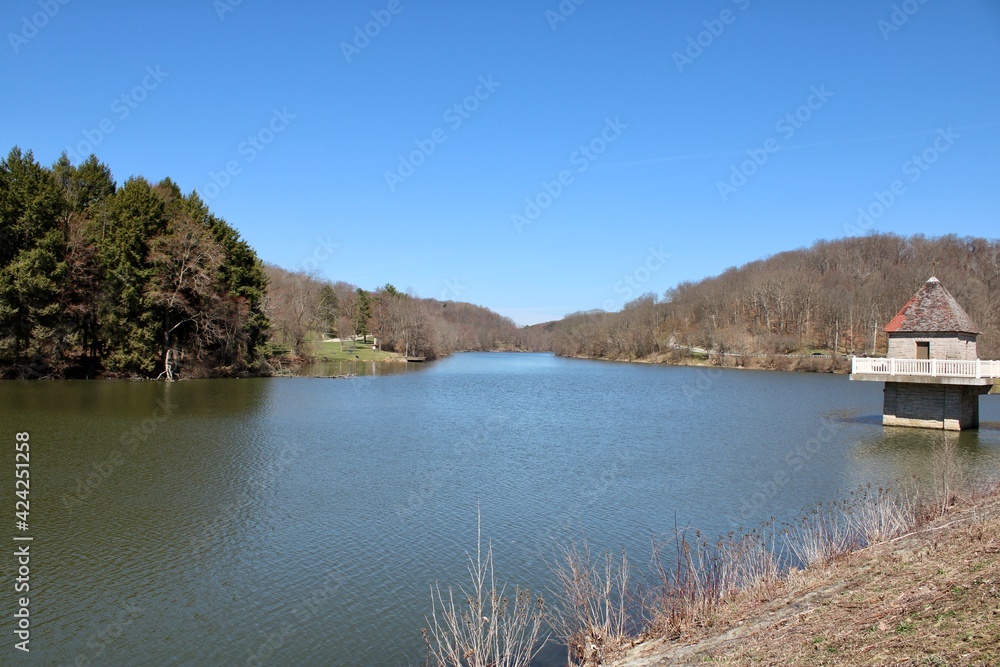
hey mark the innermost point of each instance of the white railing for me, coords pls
(964, 368)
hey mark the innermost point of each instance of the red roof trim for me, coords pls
(897, 322)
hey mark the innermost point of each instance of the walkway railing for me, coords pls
(963, 368)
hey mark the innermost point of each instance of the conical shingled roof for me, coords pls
(933, 310)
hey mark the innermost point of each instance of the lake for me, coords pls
(301, 521)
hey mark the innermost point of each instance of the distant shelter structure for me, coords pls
(932, 371)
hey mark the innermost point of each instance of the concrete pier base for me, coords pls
(950, 407)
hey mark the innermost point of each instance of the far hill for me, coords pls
(831, 299)
(303, 308)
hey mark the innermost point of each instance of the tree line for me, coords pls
(143, 281)
(835, 297)
(303, 306)
(137, 280)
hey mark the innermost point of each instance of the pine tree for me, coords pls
(129, 325)
(32, 248)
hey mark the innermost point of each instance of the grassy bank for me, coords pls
(928, 597)
(338, 351)
(327, 351)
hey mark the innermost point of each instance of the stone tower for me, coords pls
(932, 372)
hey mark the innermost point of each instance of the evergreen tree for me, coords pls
(131, 281)
(84, 186)
(86, 190)
(32, 247)
(329, 308)
(128, 323)
(362, 313)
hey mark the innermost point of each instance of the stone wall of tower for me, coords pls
(903, 345)
(948, 407)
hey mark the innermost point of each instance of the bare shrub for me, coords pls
(775, 344)
(807, 365)
(840, 364)
(693, 579)
(781, 363)
(949, 474)
(876, 515)
(867, 516)
(687, 587)
(590, 614)
(749, 560)
(698, 577)
(988, 488)
(819, 536)
(483, 629)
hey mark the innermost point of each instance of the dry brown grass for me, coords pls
(931, 597)
(894, 577)
(869, 515)
(694, 577)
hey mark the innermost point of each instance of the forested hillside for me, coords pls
(132, 281)
(836, 296)
(303, 306)
(143, 281)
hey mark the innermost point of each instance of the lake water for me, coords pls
(302, 521)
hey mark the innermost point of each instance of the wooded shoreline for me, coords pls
(143, 281)
(788, 363)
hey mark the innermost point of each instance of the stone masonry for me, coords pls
(942, 345)
(940, 406)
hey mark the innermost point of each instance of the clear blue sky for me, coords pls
(885, 81)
